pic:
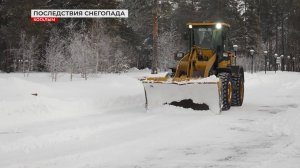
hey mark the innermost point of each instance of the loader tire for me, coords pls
(226, 90)
(238, 92)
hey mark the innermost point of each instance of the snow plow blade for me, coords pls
(186, 94)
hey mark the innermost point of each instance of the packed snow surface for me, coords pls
(102, 123)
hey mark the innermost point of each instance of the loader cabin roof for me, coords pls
(207, 24)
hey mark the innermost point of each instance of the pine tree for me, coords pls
(294, 34)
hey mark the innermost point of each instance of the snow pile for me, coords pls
(64, 98)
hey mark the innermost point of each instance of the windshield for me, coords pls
(203, 37)
(207, 37)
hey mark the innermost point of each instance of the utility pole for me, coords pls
(266, 55)
(276, 32)
(155, 38)
(282, 34)
(275, 61)
(252, 64)
(245, 27)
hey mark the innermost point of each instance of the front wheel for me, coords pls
(238, 93)
(226, 90)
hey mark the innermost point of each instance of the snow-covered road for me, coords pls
(102, 123)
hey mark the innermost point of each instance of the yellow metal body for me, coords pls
(230, 61)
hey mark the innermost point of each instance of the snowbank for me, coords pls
(63, 99)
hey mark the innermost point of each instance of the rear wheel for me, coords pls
(238, 93)
(226, 92)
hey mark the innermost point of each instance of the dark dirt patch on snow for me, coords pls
(188, 103)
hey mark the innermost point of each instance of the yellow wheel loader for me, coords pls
(206, 77)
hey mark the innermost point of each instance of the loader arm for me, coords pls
(196, 63)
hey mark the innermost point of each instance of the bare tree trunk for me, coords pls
(155, 37)
(71, 74)
(52, 75)
(23, 66)
(276, 35)
(28, 68)
(55, 76)
(97, 62)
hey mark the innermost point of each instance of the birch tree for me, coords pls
(25, 53)
(22, 51)
(168, 44)
(102, 45)
(31, 51)
(81, 54)
(55, 60)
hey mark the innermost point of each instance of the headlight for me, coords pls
(190, 26)
(219, 26)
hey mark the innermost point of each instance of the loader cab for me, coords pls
(212, 36)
